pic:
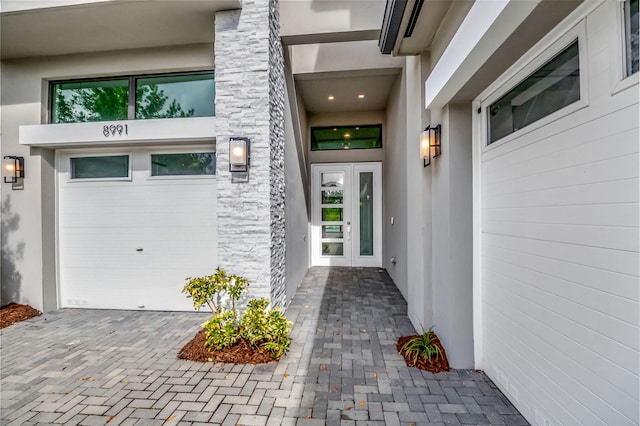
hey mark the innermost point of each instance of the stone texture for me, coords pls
(250, 103)
(276, 131)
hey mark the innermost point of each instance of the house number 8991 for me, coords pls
(113, 129)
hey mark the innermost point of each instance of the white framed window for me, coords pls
(544, 85)
(183, 164)
(188, 162)
(551, 87)
(92, 167)
(631, 37)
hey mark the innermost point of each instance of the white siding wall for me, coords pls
(559, 251)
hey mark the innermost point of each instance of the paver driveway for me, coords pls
(119, 367)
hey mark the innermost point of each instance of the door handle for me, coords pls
(348, 231)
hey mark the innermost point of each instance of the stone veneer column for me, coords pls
(249, 69)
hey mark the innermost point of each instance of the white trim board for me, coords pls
(127, 132)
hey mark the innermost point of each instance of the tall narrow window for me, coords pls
(551, 87)
(631, 37)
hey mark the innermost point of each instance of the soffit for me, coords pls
(431, 15)
(329, 21)
(108, 25)
(345, 87)
(418, 26)
(543, 19)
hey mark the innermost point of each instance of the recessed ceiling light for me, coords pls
(331, 97)
(347, 135)
(361, 96)
(357, 128)
(335, 129)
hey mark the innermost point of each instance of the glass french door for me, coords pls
(346, 214)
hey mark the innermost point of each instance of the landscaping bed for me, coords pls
(240, 353)
(436, 364)
(15, 312)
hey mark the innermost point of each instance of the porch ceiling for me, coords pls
(346, 87)
(106, 25)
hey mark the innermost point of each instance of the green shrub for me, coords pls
(209, 290)
(260, 326)
(423, 346)
(264, 327)
(222, 330)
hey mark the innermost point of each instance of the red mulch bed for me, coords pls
(434, 366)
(14, 312)
(240, 353)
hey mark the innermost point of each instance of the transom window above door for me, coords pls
(346, 137)
(134, 97)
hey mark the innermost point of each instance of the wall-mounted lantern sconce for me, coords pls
(239, 156)
(430, 144)
(12, 168)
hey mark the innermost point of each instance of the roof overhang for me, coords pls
(409, 26)
(69, 27)
(491, 38)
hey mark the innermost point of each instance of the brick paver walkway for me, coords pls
(119, 367)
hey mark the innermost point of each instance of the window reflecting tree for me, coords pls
(151, 101)
(111, 102)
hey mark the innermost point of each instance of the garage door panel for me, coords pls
(554, 370)
(140, 219)
(606, 170)
(545, 394)
(609, 237)
(611, 192)
(591, 324)
(539, 150)
(618, 262)
(165, 235)
(620, 215)
(123, 292)
(585, 126)
(103, 226)
(541, 273)
(559, 239)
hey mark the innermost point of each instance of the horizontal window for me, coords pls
(188, 164)
(346, 137)
(112, 166)
(128, 98)
(551, 87)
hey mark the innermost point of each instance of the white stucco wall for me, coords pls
(296, 217)
(452, 242)
(418, 230)
(28, 215)
(395, 188)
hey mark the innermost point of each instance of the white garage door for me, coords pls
(133, 224)
(559, 238)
